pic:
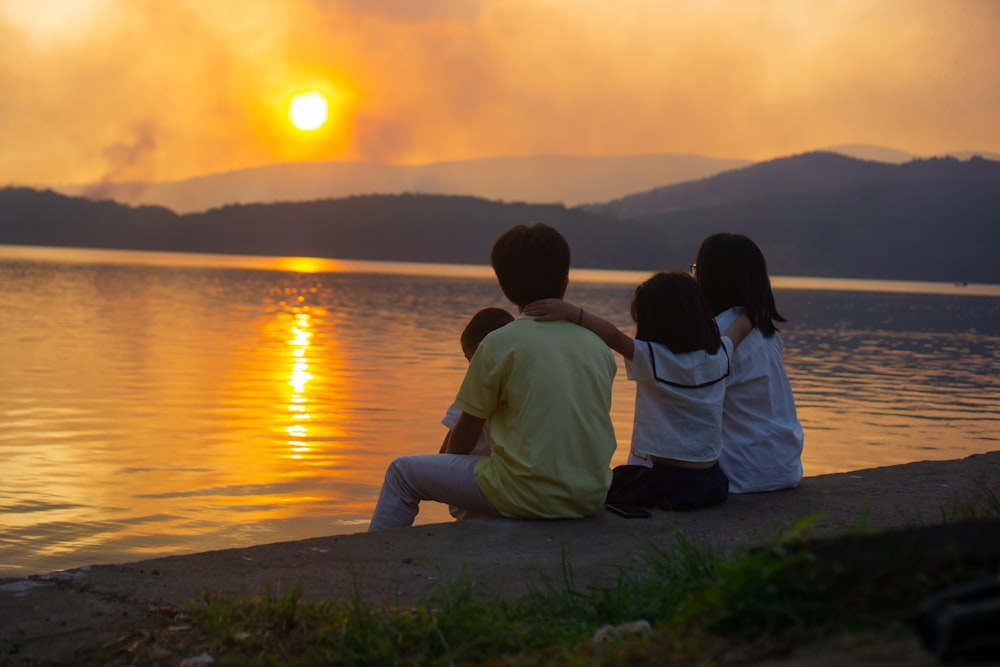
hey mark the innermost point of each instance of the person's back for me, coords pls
(546, 387)
(479, 326)
(679, 362)
(762, 437)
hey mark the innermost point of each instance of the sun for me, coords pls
(308, 111)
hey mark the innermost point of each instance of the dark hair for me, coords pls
(732, 272)
(482, 323)
(669, 309)
(531, 263)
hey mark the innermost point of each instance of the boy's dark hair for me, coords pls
(531, 263)
(731, 272)
(482, 323)
(669, 309)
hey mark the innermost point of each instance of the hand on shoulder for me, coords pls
(549, 310)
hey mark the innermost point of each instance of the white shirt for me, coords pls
(761, 434)
(678, 401)
(483, 445)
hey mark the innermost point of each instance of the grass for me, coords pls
(703, 608)
(983, 504)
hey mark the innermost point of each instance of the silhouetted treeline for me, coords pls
(817, 214)
(418, 228)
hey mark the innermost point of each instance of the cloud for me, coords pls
(127, 161)
(380, 139)
(406, 11)
(148, 90)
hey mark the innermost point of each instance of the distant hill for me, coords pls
(894, 156)
(812, 172)
(823, 214)
(418, 228)
(546, 179)
(817, 214)
(872, 153)
(568, 180)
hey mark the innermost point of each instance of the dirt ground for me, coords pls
(48, 619)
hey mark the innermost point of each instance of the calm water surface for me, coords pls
(159, 404)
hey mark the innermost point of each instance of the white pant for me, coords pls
(445, 478)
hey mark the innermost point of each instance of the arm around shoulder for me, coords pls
(547, 310)
(614, 337)
(738, 330)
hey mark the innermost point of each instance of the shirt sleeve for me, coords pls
(451, 417)
(637, 368)
(727, 317)
(727, 342)
(481, 389)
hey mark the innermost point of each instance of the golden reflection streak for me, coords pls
(298, 378)
(317, 420)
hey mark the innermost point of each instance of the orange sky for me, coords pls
(111, 90)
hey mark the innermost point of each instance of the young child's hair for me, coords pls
(531, 263)
(731, 272)
(482, 323)
(669, 309)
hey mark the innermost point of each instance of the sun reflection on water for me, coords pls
(298, 404)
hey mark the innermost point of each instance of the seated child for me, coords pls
(482, 323)
(679, 362)
(762, 437)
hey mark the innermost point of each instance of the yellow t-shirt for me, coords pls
(546, 389)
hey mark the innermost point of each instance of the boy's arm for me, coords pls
(546, 310)
(739, 329)
(463, 436)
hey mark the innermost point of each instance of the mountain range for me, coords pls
(544, 179)
(569, 180)
(817, 214)
(824, 214)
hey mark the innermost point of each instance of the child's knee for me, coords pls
(400, 472)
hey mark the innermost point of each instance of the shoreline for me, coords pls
(47, 617)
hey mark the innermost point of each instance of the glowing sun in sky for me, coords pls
(308, 111)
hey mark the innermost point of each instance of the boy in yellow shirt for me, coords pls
(546, 389)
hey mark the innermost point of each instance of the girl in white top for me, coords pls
(761, 435)
(679, 363)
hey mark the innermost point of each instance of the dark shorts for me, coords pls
(668, 487)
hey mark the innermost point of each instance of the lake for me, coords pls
(158, 403)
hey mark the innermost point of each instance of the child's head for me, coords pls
(669, 309)
(482, 323)
(731, 272)
(531, 263)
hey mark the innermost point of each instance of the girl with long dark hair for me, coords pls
(679, 363)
